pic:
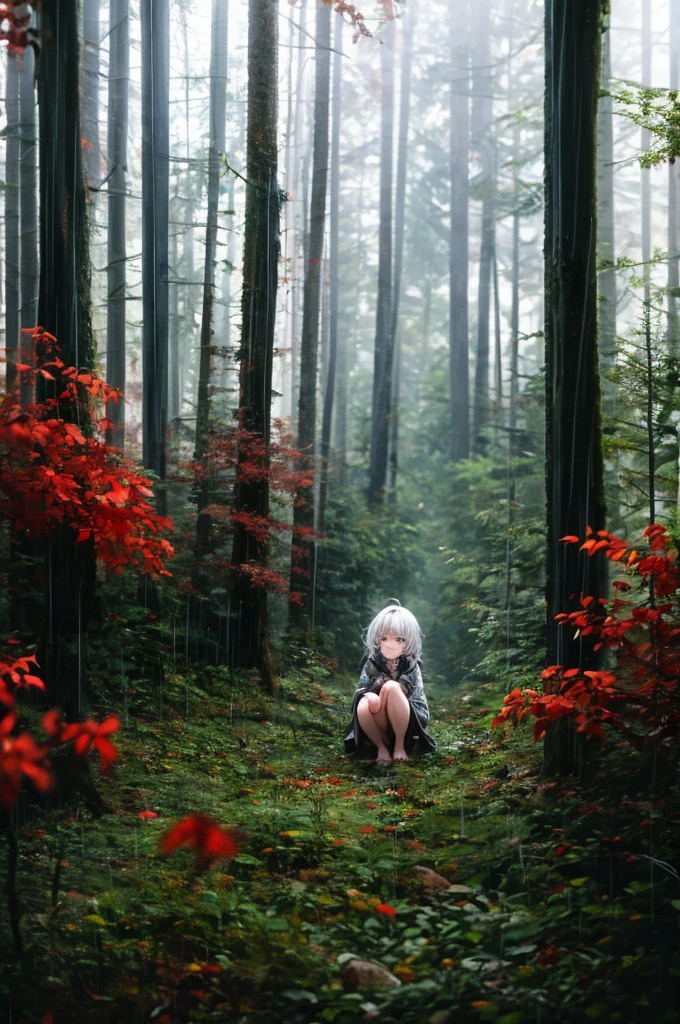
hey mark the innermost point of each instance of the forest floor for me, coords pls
(546, 904)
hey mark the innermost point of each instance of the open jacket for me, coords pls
(417, 740)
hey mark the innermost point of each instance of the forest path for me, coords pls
(540, 925)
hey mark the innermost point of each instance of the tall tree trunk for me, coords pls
(459, 149)
(155, 23)
(302, 557)
(174, 213)
(12, 292)
(299, 216)
(399, 219)
(645, 174)
(90, 115)
(482, 116)
(383, 357)
(119, 81)
(334, 282)
(574, 464)
(498, 356)
(64, 310)
(28, 201)
(605, 231)
(673, 195)
(218, 113)
(260, 262)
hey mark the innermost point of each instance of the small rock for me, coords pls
(463, 889)
(430, 879)
(440, 1017)
(362, 974)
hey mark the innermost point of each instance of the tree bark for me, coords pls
(574, 464)
(155, 23)
(260, 265)
(384, 343)
(119, 80)
(459, 148)
(12, 293)
(218, 113)
(302, 556)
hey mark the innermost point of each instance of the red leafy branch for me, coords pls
(21, 755)
(52, 474)
(640, 697)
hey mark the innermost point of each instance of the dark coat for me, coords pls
(417, 740)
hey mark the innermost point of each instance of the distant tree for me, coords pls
(459, 143)
(119, 80)
(606, 251)
(383, 357)
(12, 293)
(574, 463)
(334, 277)
(250, 550)
(218, 107)
(302, 556)
(407, 33)
(674, 193)
(155, 22)
(482, 116)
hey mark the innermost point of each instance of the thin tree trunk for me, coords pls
(92, 155)
(498, 356)
(459, 143)
(574, 463)
(399, 220)
(174, 402)
(218, 113)
(260, 265)
(645, 173)
(155, 24)
(28, 201)
(299, 217)
(302, 556)
(334, 282)
(606, 252)
(482, 116)
(383, 358)
(119, 81)
(673, 194)
(12, 293)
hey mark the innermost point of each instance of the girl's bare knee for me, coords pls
(391, 686)
(371, 702)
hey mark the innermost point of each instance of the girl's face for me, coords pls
(391, 646)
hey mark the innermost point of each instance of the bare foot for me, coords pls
(400, 755)
(383, 755)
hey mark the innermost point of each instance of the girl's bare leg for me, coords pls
(372, 720)
(398, 711)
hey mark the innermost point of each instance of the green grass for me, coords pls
(567, 919)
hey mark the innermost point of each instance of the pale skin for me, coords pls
(386, 714)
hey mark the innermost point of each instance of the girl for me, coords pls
(389, 707)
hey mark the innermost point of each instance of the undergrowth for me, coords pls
(564, 904)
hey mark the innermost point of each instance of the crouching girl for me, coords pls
(389, 709)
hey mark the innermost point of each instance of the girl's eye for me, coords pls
(397, 639)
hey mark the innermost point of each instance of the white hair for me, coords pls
(396, 621)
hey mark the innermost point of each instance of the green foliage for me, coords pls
(655, 110)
